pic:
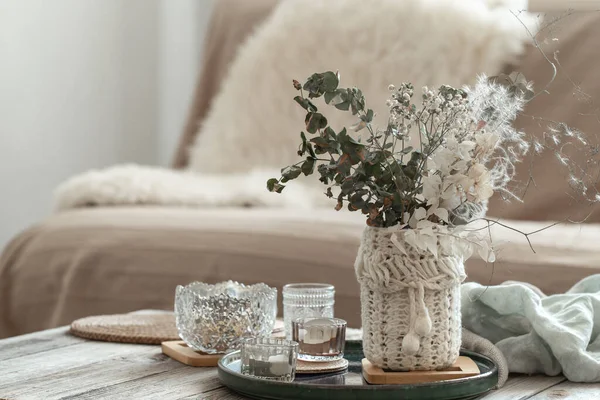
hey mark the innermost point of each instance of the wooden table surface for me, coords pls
(53, 364)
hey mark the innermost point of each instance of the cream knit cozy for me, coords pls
(410, 302)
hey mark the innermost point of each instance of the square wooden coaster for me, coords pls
(462, 368)
(180, 351)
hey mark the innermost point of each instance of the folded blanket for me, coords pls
(539, 333)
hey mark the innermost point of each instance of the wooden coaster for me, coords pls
(179, 350)
(307, 367)
(462, 368)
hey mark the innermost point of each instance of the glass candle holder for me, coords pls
(304, 300)
(269, 358)
(319, 339)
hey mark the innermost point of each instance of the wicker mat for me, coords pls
(127, 328)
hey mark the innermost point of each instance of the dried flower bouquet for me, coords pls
(467, 150)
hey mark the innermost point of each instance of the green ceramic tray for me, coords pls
(350, 384)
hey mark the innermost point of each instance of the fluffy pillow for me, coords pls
(254, 123)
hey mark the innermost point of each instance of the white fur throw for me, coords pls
(132, 184)
(255, 124)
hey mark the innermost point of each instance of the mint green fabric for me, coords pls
(539, 333)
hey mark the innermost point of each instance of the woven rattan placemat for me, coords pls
(127, 328)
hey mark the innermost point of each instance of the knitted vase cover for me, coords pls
(410, 302)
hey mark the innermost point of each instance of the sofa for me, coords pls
(104, 260)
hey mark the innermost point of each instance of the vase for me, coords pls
(410, 301)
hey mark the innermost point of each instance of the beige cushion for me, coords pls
(112, 260)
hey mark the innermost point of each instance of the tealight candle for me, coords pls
(319, 339)
(279, 365)
(269, 358)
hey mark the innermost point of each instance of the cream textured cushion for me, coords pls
(256, 124)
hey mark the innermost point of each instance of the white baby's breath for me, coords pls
(469, 147)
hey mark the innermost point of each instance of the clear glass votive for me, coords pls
(304, 300)
(269, 358)
(319, 339)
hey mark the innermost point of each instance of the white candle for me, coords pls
(318, 331)
(279, 365)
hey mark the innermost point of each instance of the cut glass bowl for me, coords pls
(215, 318)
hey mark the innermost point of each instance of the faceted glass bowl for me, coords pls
(215, 318)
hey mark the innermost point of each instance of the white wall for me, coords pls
(86, 84)
(183, 26)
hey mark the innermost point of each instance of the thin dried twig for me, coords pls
(497, 222)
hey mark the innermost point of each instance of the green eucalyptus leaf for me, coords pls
(357, 201)
(410, 171)
(318, 84)
(330, 81)
(360, 170)
(306, 104)
(390, 216)
(329, 133)
(415, 158)
(347, 185)
(344, 105)
(368, 117)
(279, 188)
(327, 173)
(311, 151)
(303, 145)
(308, 166)
(320, 141)
(344, 164)
(303, 137)
(274, 186)
(271, 184)
(335, 97)
(315, 121)
(289, 173)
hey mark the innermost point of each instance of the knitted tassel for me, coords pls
(423, 321)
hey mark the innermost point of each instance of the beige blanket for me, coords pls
(114, 260)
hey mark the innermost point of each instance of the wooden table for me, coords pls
(53, 364)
